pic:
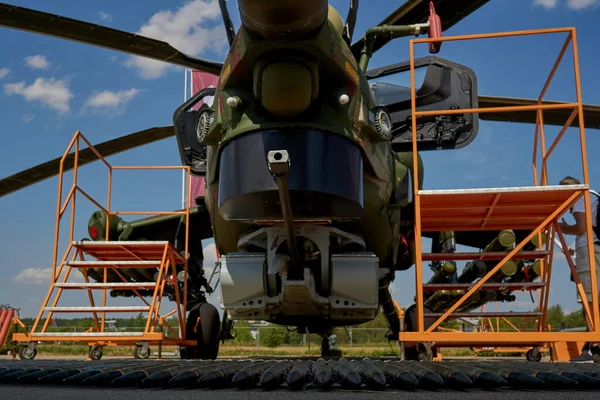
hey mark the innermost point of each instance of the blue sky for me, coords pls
(49, 88)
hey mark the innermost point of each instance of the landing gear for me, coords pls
(27, 352)
(141, 351)
(95, 353)
(328, 348)
(534, 355)
(203, 325)
(423, 351)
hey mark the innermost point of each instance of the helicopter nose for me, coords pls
(283, 19)
(325, 177)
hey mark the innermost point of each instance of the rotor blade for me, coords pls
(51, 168)
(66, 28)
(417, 11)
(591, 113)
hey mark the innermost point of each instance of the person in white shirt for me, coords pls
(582, 265)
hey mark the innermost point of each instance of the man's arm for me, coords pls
(578, 228)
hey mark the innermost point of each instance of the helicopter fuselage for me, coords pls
(313, 102)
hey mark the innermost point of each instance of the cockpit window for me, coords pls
(396, 87)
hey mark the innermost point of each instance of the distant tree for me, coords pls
(242, 333)
(575, 319)
(272, 335)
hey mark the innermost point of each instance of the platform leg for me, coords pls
(160, 342)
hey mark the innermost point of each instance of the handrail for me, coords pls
(71, 197)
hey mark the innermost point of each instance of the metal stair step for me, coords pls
(113, 264)
(136, 285)
(99, 309)
(127, 250)
(87, 334)
(103, 243)
(485, 256)
(489, 314)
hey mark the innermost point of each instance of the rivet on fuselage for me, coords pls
(233, 102)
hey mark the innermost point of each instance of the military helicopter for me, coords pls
(307, 180)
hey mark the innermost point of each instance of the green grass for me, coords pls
(244, 351)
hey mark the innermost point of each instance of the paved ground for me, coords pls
(14, 392)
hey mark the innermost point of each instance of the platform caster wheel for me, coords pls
(140, 353)
(425, 352)
(595, 350)
(183, 352)
(95, 353)
(533, 355)
(27, 353)
(331, 353)
(203, 325)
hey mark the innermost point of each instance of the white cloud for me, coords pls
(4, 72)
(109, 99)
(573, 4)
(547, 4)
(581, 4)
(34, 276)
(183, 29)
(105, 16)
(51, 92)
(37, 62)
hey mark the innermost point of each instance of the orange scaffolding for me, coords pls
(112, 255)
(536, 208)
(487, 325)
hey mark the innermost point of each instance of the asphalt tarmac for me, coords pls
(13, 392)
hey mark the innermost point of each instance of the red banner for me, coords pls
(201, 80)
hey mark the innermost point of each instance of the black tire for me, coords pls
(139, 353)
(26, 354)
(207, 335)
(533, 358)
(325, 347)
(411, 325)
(425, 353)
(95, 353)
